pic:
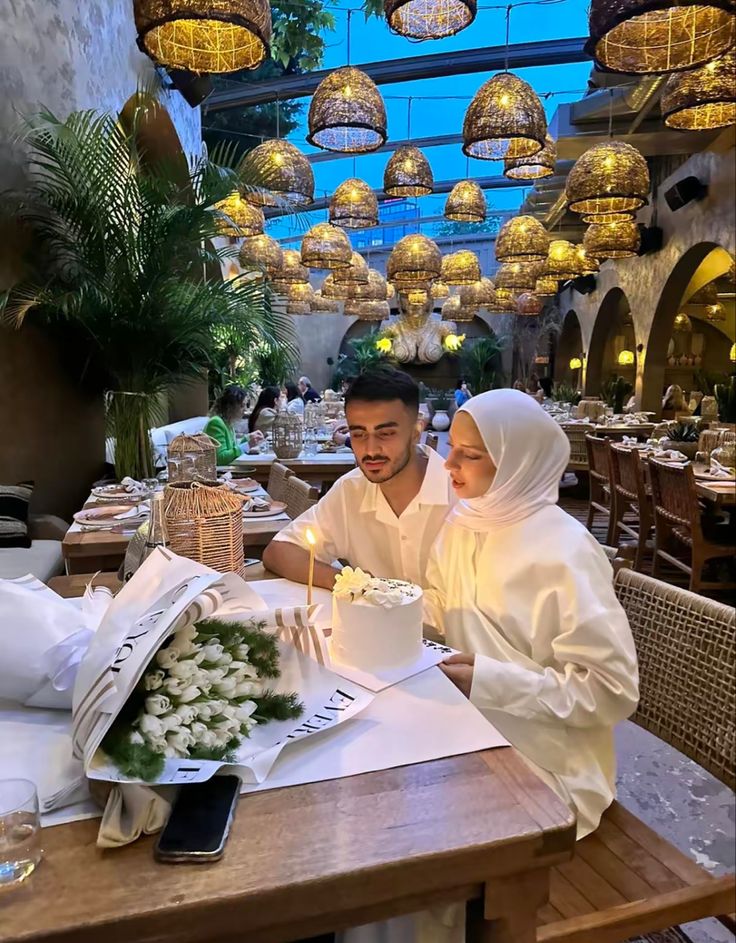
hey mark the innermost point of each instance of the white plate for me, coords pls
(263, 515)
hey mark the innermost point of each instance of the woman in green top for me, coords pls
(228, 410)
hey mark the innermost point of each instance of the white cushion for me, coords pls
(43, 559)
(162, 437)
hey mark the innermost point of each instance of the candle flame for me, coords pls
(311, 539)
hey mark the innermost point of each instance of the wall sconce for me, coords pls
(732, 354)
(626, 358)
(576, 363)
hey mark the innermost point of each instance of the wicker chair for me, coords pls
(432, 440)
(277, 478)
(578, 449)
(629, 494)
(299, 496)
(679, 524)
(599, 473)
(639, 881)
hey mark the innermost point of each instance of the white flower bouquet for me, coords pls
(355, 584)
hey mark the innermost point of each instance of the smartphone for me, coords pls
(199, 823)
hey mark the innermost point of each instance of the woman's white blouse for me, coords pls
(555, 665)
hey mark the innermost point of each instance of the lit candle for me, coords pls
(311, 540)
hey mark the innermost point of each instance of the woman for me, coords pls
(264, 412)
(227, 411)
(294, 401)
(462, 393)
(526, 594)
(673, 402)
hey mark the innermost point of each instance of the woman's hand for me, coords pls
(255, 438)
(459, 669)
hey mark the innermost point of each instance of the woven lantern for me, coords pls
(414, 260)
(322, 305)
(280, 172)
(466, 203)
(429, 19)
(374, 289)
(333, 291)
(546, 286)
(367, 310)
(354, 205)
(347, 113)
(261, 252)
(326, 247)
(682, 324)
(192, 458)
(655, 36)
(522, 239)
(356, 272)
(299, 298)
(454, 310)
(607, 217)
(588, 264)
(287, 434)
(541, 164)
(291, 272)
(242, 218)
(205, 523)
(702, 99)
(704, 297)
(528, 304)
(715, 313)
(505, 301)
(460, 268)
(439, 290)
(518, 276)
(612, 240)
(505, 120)
(481, 294)
(407, 173)
(611, 177)
(563, 261)
(204, 35)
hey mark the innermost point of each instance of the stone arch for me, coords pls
(569, 344)
(610, 321)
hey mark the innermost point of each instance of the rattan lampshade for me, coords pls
(299, 298)
(522, 239)
(546, 286)
(280, 172)
(518, 276)
(332, 290)
(261, 252)
(505, 302)
(466, 203)
(354, 205)
(655, 36)
(327, 247)
(481, 294)
(715, 313)
(612, 240)
(322, 305)
(611, 177)
(454, 310)
(414, 260)
(243, 219)
(429, 19)
(408, 173)
(367, 310)
(703, 98)
(607, 217)
(535, 167)
(588, 264)
(204, 35)
(439, 290)
(563, 261)
(291, 271)
(704, 297)
(417, 296)
(529, 304)
(460, 268)
(374, 289)
(357, 271)
(682, 323)
(347, 113)
(505, 120)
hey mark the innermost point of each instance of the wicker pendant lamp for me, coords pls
(408, 173)
(588, 264)
(546, 286)
(535, 167)
(357, 271)
(518, 276)
(505, 120)
(460, 268)
(529, 304)
(715, 313)
(354, 205)
(322, 305)
(242, 218)
(612, 240)
(454, 310)
(704, 297)
(481, 294)
(414, 260)
(280, 172)
(439, 290)
(291, 272)
(374, 289)
(367, 310)
(326, 247)
(522, 239)
(612, 177)
(563, 261)
(333, 290)
(466, 203)
(204, 35)
(417, 296)
(607, 217)
(702, 99)
(648, 37)
(429, 19)
(347, 113)
(505, 302)
(261, 252)
(299, 298)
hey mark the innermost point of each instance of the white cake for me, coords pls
(377, 623)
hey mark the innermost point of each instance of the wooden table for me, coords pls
(73, 586)
(722, 494)
(310, 859)
(325, 467)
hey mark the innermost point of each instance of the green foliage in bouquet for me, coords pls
(200, 695)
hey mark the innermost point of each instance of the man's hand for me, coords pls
(340, 434)
(459, 669)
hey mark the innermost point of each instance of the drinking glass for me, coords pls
(20, 831)
(150, 484)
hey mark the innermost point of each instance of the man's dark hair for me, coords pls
(381, 384)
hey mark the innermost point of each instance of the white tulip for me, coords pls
(213, 675)
(173, 686)
(190, 693)
(236, 666)
(208, 740)
(248, 689)
(198, 730)
(167, 657)
(242, 651)
(225, 658)
(183, 669)
(226, 687)
(157, 704)
(212, 651)
(153, 680)
(204, 711)
(171, 722)
(180, 741)
(170, 753)
(187, 712)
(150, 725)
(136, 737)
(245, 710)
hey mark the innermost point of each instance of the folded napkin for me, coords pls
(134, 487)
(629, 440)
(44, 638)
(721, 471)
(136, 511)
(133, 810)
(256, 504)
(671, 454)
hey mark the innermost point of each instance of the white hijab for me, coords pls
(530, 452)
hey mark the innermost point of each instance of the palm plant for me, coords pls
(127, 266)
(480, 362)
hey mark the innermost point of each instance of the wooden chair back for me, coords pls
(432, 440)
(675, 498)
(299, 496)
(627, 474)
(599, 458)
(277, 478)
(578, 448)
(687, 663)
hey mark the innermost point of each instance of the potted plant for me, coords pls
(683, 437)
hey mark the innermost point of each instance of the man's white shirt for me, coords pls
(354, 522)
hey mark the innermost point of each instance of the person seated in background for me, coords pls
(673, 402)
(264, 412)
(545, 385)
(309, 395)
(518, 385)
(462, 393)
(228, 410)
(294, 401)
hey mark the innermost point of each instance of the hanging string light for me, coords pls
(535, 167)
(454, 310)
(612, 240)
(354, 205)
(655, 36)
(522, 239)
(326, 247)
(588, 264)
(261, 252)
(607, 217)
(279, 173)
(702, 99)
(429, 19)
(518, 276)
(612, 177)
(414, 260)
(460, 268)
(374, 289)
(466, 203)
(332, 290)
(529, 305)
(347, 113)
(204, 36)
(239, 218)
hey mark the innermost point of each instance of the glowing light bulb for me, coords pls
(278, 159)
(348, 92)
(505, 99)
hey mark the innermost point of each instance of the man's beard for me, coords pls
(390, 469)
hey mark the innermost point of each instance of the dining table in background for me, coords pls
(322, 467)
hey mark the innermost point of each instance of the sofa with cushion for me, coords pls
(43, 559)
(162, 437)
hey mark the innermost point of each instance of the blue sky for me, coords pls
(438, 105)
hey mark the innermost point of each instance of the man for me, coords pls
(384, 516)
(309, 395)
